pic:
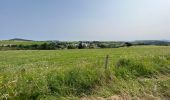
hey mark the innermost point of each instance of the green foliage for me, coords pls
(75, 81)
(126, 67)
(80, 46)
(53, 45)
(127, 44)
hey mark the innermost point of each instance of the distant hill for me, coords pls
(152, 42)
(19, 39)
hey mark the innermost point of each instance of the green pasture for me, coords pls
(74, 74)
(16, 42)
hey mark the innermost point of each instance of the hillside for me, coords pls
(19, 39)
(151, 42)
(19, 42)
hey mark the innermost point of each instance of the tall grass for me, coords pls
(75, 74)
(130, 68)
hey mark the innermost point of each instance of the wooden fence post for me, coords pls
(106, 61)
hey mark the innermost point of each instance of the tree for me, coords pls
(44, 46)
(80, 46)
(51, 46)
(34, 46)
(127, 44)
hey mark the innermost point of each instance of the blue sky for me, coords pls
(85, 19)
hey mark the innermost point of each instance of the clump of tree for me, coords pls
(128, 44)
(55, 45)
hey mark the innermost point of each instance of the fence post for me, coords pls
(106, 61)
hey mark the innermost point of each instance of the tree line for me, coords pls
(55, 45)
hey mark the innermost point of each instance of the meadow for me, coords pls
(17, 42)
(133, 72)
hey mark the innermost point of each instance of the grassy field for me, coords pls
(16, 42)
(134, 72)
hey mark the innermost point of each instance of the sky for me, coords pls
(74, 20)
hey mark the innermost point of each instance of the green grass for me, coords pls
(73, 74)
(16, 42)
